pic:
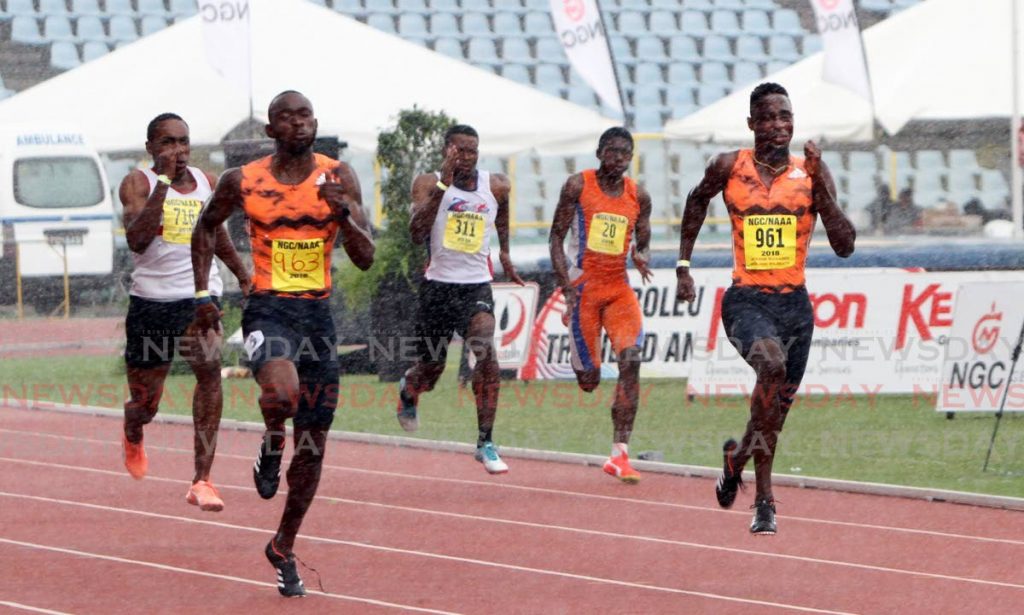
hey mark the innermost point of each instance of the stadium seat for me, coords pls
(153, 7)
(182, 8)
(786, 21)
(811, 44)
(549, 75)
(582, 96)
(745, 73)
(717, 49)
(19, 8)
(64, 55)
(694, 23)
(994, 181)
(151, 24)
(412, 26)
(716, 74)
(724, 23)
(649, 74)
(507, 25)
(963, 180)
(783, 47)
(755, 22)
(620, 48)
(649, 49)
(511, 6)
(58, 28)
(663, 23)
(444, 6)
(53, 7)
(683, 47)
(119, 7)
(631, 23)
(444, 24)
(482, 51)
(709, 94)
(86, 7)
(92, 50)
(648, 120)
(90, 28)
(680, 73)
(516, 72)
(765, 5)
(384, 22)
(735, 5)
(929, 159)
(537, 24)
(751, 49)
(548, 49)
(516, 51)
(647, 96)
(863, 163)
(476, 25)
(380, 6)
(26, 30)
(679, 95)
(351, 8)
(537, 5)
(963, 159)
(482, 6)
(450, 47)
(122, 29)
(408, 6)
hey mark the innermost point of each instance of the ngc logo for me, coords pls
(828, 5)
(986, 331)
(575, 9)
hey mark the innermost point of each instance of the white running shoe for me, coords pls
(488, 455)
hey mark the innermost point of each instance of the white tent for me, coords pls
(357, 78)
(938, 60)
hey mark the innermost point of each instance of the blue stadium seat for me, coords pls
(549, 74)
(92, 50)
(632, 23)
(182, 8)
(58, 28)
(475, 24)
(537, 24)
(649, 74)
(507, 25)
(537, 5)
(993, 181)
(681, 73)
(384, 22)
(122, 29)
(153, 7)
(64, 55)
(450, 47)
(963, 159)
(725, 23)
(119, 7)
(783, 47)
(444, 24)
(766, 5)
(406, 6)
(716, 74)
(151, 24)
(745, 73)
(413, 26)
(647, 96)
(582, 96)
(549, 49)
(379, 6)
(620, 48)
(811, 44)
(672, 5)
(679, 95)
(756, 22)
(482, 51)
(482, 6)
(352, 8)
(879, 6)
(53, 7)
(775, 66)
(663, 23)
(863, 163)
(751, 49)
(650, 49)
(786, 21)
(19, 8)
(86, 7)
(516, 51)
(963, 180)
(709, 94)
(684, 47)
(445, 6)
(26, 30)
(511, 6)
(929, 159)
(717, 48)
(648, 120)
(694, 23)
(90, 28)
(516, 72)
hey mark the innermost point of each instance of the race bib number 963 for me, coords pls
(769, 241)
(297, 265)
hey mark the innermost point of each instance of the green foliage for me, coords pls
(412, 147)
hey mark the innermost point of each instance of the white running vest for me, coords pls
(460, 241)
(164, 271)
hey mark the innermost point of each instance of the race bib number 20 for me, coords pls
(297, 265)
(769, 241)
(607, 233)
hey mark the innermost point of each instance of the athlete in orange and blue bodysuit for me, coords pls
(773, 200)
(603, 210)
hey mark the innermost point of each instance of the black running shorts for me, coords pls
(154, 330)
(446, 308)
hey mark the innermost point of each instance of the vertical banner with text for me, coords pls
(227, 41)
(581, 30)
(845, 64)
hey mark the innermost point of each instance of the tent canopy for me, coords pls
(358, 79)
(938, 60)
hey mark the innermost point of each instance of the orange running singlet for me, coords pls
(291, 229)
(771, 226)
(602, 231)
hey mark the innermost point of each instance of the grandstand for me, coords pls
(672, 57)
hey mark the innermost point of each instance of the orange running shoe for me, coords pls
(135, 459)
(618, 466)
(204, 495)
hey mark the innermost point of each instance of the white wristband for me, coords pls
(683, 263)
(440, 184)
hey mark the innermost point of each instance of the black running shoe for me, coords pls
(288, 581)
(764, 518)
(731, 479)
(266, 473)
(406, 411)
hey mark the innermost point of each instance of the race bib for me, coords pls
(297, 265)
(608, 234)
(180, 217)
(464, 231)
(769, 241)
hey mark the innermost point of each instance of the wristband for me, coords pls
(163, 179)
(203, 300)
(683, 263)
(202, 293)
(440, 184)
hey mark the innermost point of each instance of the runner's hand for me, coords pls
(207, 317)
(245, 285)
(510, 270)
(685, 290)
(166, 162)
(641, 261)
(569, 294)
(812, 159)
(334, 192)
(451, 160)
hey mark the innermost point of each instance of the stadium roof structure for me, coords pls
(937, 60)
(358, 79)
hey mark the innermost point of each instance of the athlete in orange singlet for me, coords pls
(603, 210)
(296, 203)
(773, 200)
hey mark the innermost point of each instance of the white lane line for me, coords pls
(426, 554)
(33, 609)
(560, 492)
(211, 575)
(576, 530)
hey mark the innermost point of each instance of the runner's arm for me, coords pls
(564, 213)
(143, 212)
(642, 252)
(500, 188)
(426, 199)
(841, 233)
(356, 237)
(225, 250)
(716, 176)
(226, 197)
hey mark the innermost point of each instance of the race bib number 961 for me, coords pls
(297, 265)
(608, 233)
(769, 241)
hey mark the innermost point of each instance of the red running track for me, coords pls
(408, 529)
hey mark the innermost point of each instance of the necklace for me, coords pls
(774, 170)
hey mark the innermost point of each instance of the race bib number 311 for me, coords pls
(297, 265)
(180, 217)
(608, 233)
(769, 241)
(464, 232)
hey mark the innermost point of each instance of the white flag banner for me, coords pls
(227, 41)
(845, 63)
(581, 31)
